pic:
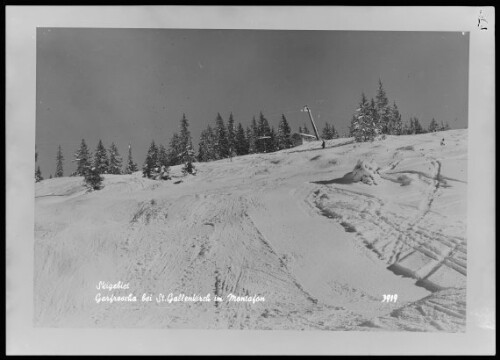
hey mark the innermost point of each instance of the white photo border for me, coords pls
(23, 338)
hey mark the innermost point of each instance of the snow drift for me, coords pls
(366, 172)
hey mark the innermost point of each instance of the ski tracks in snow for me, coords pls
(409, 245)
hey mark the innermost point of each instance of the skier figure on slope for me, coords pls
(323, 144)
(442, 142)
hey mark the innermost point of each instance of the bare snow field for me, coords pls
(293, 227)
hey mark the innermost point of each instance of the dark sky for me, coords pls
(133, 85)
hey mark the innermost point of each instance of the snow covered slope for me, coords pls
(288, 226)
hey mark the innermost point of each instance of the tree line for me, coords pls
(377, 116)
(92, 165)
(180, 151)
(221, 140)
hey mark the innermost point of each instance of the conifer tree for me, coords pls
(189, 158)
(284, 134)
(186, 152)
(82, 157)
(221, 145)
(305, 129)
(206, 151)
(162, 156)
(202, 147)
(231, 136)
(115, 160)
(328, 132)
(92, 177)
(101, 161)
(395, 125)
(185, 140)
(131, 165)
(263, 130)
(362, 124)
(382, 109)
(60, 159)
(175, 150)
(353, 126)
(241, 141)
(38, 174)
(376, 127)
(433, 126)
(252, 133)
(151, 160)
(415, 127)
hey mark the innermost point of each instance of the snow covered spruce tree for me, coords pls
(92, 177)
(82, 158)
(377, 121)
(189, 158)
(395, 125)
(185, 135)
(206, 145)
(163, 162)
(329, 132)
(382, 109)
(115, 160)
(162, 156)
(231, 136)
(241, 141)
(444, 126)
(263, 129)
(363, 126)
(101, 161)
(252, 134)
(273, 141)
(38, 174)
(174, 150)
(433, 126)
(59, 165)
(221, 142)
(284, 134)
(186, 147)
(202, 147)
(415, 126)
(131, 165)
(151, 162)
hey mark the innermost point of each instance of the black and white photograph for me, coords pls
(249, 179)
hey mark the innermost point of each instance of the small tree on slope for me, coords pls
(101, 161)
(284, 134)
(363, 124)
(115, 160)
(59, 166)
(92, 177)
(151, 160)
(38, 174)
(82, 158)
(131, 165)
(189, 157)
